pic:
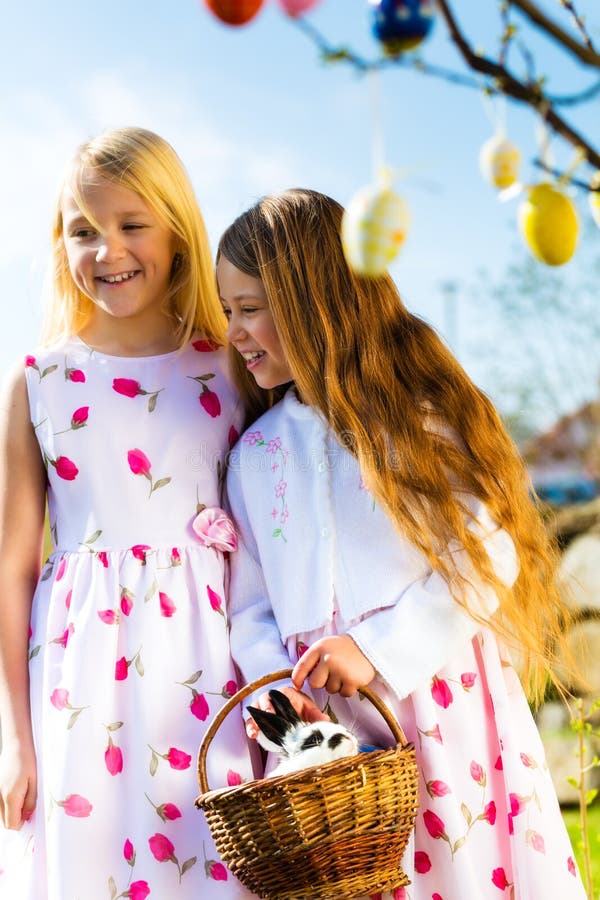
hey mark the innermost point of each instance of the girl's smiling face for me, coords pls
(251, 328)
(122, 260)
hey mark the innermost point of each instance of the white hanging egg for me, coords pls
(499, 161)
(374, 227)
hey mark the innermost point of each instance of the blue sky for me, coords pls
(252, 110)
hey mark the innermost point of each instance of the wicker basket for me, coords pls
(328, 832)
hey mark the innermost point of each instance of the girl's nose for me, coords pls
(235, 330)
(110, 248)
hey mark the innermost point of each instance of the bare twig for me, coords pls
(530, 94)
(584, 52)
(579, 22)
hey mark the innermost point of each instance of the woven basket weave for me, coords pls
(328, 832)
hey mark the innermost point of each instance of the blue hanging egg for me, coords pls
(401, 24)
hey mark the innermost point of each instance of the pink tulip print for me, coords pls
(437, 788)
(76, 806)
(59, 699)
(63, 640)
(141, 465)
(215, 870)
(31, 363)
(499, 879)
(467, 680)
(441, 693)
(535, 840)
(126, 601)
(422, 862)
(233, 778)
(113, 758)
(477, 773)
(128, 387)
(138, 890)
(572, 867)
(163, 850)
(434, 825)
(179, 760)
(167, 607)
(489, 813)
(205, 346)
(121, 669)
(129, 852)
(139, 552)
(77, 376)
(168, 812)
(233, 436)
(215, 600)
(65, 467)
(199, 706)
(209, 401)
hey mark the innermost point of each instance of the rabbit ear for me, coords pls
(271, 726)
(284, 708)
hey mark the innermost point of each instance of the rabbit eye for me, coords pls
(315, 739)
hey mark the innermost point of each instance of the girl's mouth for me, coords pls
(253, 359)
(121, 278)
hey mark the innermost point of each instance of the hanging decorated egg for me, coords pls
(548, 222)
(401, 24)
(234, 12)
(595, 198)
(295, 8)
(374, 227)
(499, 161)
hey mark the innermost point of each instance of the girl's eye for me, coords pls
(83, 233)
(226, 312)
(249, 309)
(132, 226)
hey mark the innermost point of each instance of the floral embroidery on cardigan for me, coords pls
(279, 454)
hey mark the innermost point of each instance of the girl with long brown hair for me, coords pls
(389, 537)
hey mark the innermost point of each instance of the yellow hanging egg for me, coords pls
(499, 161)
(548, 222)
(595, 199)
(374, 227)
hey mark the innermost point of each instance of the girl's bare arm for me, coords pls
(22, 503)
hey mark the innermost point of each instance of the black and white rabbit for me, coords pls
(299, 744)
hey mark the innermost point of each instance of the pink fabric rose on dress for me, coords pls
(210, 402)
(214, 528)
(127, 387)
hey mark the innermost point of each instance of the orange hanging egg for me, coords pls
(234, 12)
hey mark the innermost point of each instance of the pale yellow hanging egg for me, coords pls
(499, 161)
(595, 199)
(548, 222)
(374, 227)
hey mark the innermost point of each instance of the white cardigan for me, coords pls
(310, 534)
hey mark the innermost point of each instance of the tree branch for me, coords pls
(532, 95)
(584, 52)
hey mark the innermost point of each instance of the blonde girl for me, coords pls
(114, 655)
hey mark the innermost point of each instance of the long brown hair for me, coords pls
(142, 161)
(424, 435)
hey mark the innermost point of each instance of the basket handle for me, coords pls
(243, 692)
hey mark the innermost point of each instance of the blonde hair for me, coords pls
(145, 163)
(396, 397)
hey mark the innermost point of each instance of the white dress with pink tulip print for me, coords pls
(128, 646)
(317, 556)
